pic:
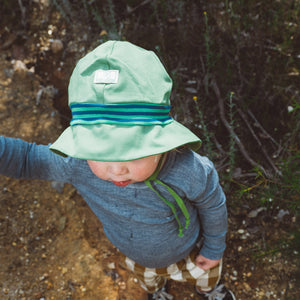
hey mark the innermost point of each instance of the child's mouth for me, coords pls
(121, 183)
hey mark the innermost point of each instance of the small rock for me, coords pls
(244, 237)
(44, 276)
(281, 214)
(62, 223)
(58, 186)
(111, 265)
(56, 46)
(254, 213)
(254, 229)
(247, 286)
(18, 65)
(237, 172)
(122, 285)
(191, 90)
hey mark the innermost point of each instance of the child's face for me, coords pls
(125, 172)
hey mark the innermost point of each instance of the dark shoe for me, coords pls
(161, 294)
(220, 292)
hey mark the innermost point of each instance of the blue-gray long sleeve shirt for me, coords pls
(134, 218)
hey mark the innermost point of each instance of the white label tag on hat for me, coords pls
(106, 76)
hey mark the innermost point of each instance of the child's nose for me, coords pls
(118, 169)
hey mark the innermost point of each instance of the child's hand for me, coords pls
(206, 263)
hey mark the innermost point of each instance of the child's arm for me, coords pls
(20, 159)
(210, 200)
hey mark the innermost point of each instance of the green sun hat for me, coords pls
(119, 95)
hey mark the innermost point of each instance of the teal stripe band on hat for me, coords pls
(124, 114)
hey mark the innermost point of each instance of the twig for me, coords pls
(244, 117)
(219, 146)
(245, 175)
(261, 128)
(23, 12)
(219, 164)
(9, 42)
(131, 10)
(231, 131)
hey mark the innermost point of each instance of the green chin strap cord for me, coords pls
(177, 198)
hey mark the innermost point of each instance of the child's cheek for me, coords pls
(142, 174)
(97, 170)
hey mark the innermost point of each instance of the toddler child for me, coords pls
(160, 203)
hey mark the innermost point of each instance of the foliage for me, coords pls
(102, 14)
(8, 9)
(235, 66)
(239, 46)
(283, 190)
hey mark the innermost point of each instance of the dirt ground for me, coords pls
(51, 244)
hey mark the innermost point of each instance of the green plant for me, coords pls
(210, 58)
(294, 111)
(64, 8)
(290, 192)
(286, 245)
(9, 4)
(282, 191)
(207, 43)
(111, 18)
(103, 14)
(207, 135)
(232, 142)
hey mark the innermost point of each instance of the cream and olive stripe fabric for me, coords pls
(185, 270)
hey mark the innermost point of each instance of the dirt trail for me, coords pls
(51, 244)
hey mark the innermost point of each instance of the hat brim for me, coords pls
(105, 142)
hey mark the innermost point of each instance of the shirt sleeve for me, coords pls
(20, 159)
(208, 196)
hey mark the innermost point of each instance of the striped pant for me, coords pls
(152, 279)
